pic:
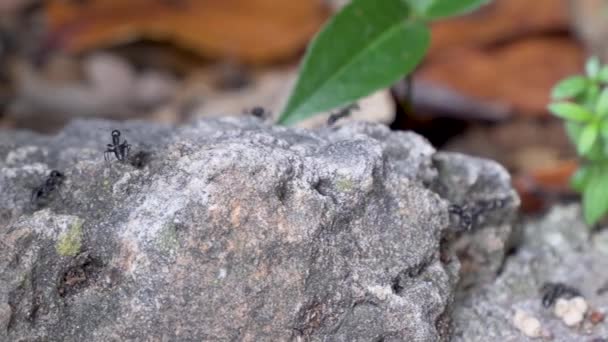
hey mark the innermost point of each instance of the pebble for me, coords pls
(571, 311)
(527, 324)
(596, 317)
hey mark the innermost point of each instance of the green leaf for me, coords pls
(419, 7)
(596, 154)
(601, 109)
(367, 46)
(604, 129)
(569, 88)
(573, 130)
(437, 9)
(593, 67)
(603, 76)
(570, 111)
(587, 138)
(595, 196)
(580, 179)
(591, 95)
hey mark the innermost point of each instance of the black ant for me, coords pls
(469, 214)
(465, 217)
(120, 150)
(342, 113)
(259, 112)
(552, 291)
(44, 191)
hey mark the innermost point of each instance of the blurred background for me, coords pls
(482, 89)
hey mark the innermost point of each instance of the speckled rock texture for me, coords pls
(557, 248)
(236, 230)
(477, 190)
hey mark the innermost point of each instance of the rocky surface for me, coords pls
(476, 191)
(231, 229)
(555, 249)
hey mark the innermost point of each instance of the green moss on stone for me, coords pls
(167, 238)
(69, 242)
(344, 184)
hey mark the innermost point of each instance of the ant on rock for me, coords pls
(552, 291)
(120, 150)
(259, 112)
(44, 191)
(342, 113)
(471, 214)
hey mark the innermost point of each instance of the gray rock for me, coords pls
(557, 248)
(481, 192)
(232, 230)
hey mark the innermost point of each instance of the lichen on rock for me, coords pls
(70, 242)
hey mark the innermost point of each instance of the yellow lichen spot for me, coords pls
(70, 241)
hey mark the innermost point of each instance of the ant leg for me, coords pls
(109, 150)
(38, 198)
(123, 151)
(33, 196)
(105, 156)
(60, 192)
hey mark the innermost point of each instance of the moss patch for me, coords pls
(344, 184)
(106, 185)
(167, 238)
(69, 242)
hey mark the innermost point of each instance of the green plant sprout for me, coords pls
(582, 101)
(367, 46)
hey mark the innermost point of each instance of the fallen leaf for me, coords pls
(253, 31)
(589, 22)
(501, 21)
(555, 177)
(530, 199)
(10, 7)
(536, 152)
(519, 75)
(540, 187)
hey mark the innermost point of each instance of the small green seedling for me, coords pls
(369, 45)
(582, 101)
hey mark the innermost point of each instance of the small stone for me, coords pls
(527, 324)
(547, 335)
(571, 311)
(596, 317)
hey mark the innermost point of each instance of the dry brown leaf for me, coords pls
(513, 142)
(540, 187)
(252, 31)
(519, 75)
(555, 177)
(536, 151)
(589, 22)
(502, 20)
